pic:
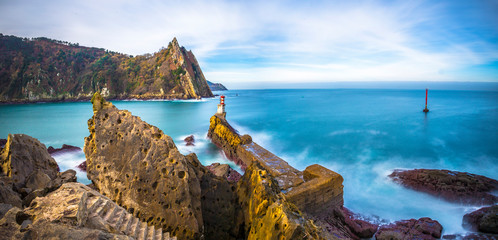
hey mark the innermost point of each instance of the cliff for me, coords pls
(42, 69)
(216, 86)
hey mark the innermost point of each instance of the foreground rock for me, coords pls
(63, 149)
(484, 220)
(22, 155)
(459, 187)
(74, 211)
(224, 171)
(423, 228)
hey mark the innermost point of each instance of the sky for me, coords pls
(251, 44)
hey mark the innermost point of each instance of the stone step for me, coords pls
(96, 204)
(136, 228)
(126, 221)
(110, 214)
(151, 233)
(101, 211)
(142, 234)
(118, 219)
(158, 234)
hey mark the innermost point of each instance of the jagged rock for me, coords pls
(483, 220)
(360, 228)
(139, 167)
(224, 171)
(64, 148)
(2, 142)
(266, 212)
(7, 195)
(423, 228)
(189, 141)
(22, 155)
(460, 187)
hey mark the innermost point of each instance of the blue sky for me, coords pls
(246, 43)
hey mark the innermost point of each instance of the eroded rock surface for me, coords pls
(423, 228)
(266, 212)
(483, 220)
(139, 167)
(460, 187)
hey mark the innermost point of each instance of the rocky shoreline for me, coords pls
(144, 188)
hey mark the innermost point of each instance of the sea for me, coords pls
(363, 134)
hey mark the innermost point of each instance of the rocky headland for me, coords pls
(47, 70)
(216, 86)
(458, 187)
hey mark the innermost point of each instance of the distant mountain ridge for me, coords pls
(42, 69)
(216, 86)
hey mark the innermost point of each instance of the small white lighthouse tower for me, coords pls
(221, 107)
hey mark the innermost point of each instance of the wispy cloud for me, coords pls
(282, 41)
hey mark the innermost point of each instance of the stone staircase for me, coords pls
(123, 222)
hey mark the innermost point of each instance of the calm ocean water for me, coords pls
(363, 134)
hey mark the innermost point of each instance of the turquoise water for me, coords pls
(363, 134)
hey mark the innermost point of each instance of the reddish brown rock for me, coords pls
(64, 148)
(189, 141)
(82, 166)
(224, 171)
(423, 228)
(459, 187)
(483, 220)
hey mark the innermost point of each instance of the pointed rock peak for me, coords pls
(99, 102)
(175, 42)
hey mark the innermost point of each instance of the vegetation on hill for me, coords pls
(42, 69)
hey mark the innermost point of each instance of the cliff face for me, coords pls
(42, 69)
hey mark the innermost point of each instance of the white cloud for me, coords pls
(279, 41)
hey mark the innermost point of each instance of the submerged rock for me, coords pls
(189, 141)
(423, 228)
(64, 148)
(483, 220)
(460, 187)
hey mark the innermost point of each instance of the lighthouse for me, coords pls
(221, 107)
(426, 110)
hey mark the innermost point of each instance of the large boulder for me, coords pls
(22, 155)
(423, 228)
(7, 195)
(224, 171)
(459, 187)
(483, 220)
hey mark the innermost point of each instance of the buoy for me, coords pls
(426, 110)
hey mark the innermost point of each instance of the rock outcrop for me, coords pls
(484, 220)
(189, 141)
(459, 187)
(423, 228)
(139, 167)
(313, 190)
(63, 149)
